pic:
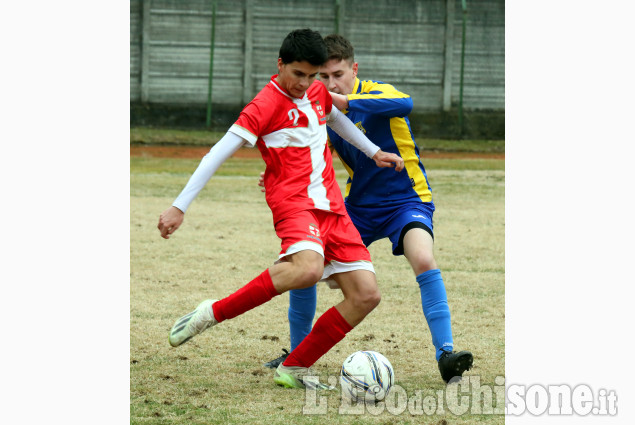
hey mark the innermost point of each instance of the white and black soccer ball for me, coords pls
(366, 376)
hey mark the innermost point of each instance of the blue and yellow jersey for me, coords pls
(380, 111)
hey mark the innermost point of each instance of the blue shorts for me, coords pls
(374, 223)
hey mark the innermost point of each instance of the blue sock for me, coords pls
(302, 303)
(434, 302)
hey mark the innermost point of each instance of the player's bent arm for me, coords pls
(347, 130)
(340, 101)
(380, 99)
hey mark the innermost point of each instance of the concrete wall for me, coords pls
(412, 44)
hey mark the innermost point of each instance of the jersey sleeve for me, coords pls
(380, 99)
(252, 121)
(348, 131)
(220, 152)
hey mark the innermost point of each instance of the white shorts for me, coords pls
(335, 267)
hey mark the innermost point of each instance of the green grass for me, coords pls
(160, 136)
(227, 239)
(163, 136)
(443, 145)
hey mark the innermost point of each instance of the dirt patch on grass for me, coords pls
(194, 152)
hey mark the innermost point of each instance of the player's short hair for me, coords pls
(303, 45)
(339, 48)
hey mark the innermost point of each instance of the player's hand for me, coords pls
(261, 181)
(340, 101)
(386, 159)
(169, 221)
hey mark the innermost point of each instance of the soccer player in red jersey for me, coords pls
(287, 122)
(382, 203)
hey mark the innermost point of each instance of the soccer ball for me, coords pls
(366, 376)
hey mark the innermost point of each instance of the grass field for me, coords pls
(228, 238)
(172, 137)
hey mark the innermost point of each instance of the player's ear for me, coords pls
(355, 69)
(280, 65)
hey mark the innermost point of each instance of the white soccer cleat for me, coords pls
(298, 377)
(193, 323)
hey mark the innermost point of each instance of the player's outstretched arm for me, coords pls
(353, 135)
(171, 219)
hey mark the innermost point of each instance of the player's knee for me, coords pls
(366, 301)
(373, 300)
(309, 275)
(423, 261)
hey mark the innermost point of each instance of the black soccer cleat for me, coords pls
(273, 364)
(453, 364)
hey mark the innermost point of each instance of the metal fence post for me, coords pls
(339, 13)
(145, 51)
(248, 46)
(464, 6)
(449, 55)
(211, 66)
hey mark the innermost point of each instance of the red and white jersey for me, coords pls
(291, 136)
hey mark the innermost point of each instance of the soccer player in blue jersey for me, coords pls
(382, 203)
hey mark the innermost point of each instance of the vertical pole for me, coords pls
(449, 55)
(211, 67)
(339, 12)
(249, 52)
(145, 52)
(464, 6)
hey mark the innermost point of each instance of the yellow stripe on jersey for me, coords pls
(349, 170)
(387, 91)
(404, 142)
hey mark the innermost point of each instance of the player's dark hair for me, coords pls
(339, 48)
(303, 45)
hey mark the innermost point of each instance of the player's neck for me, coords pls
(281, 85)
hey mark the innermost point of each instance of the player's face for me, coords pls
(339, 75)
(296, 77)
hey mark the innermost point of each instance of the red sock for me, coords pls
(257, 292)
(329, 329)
